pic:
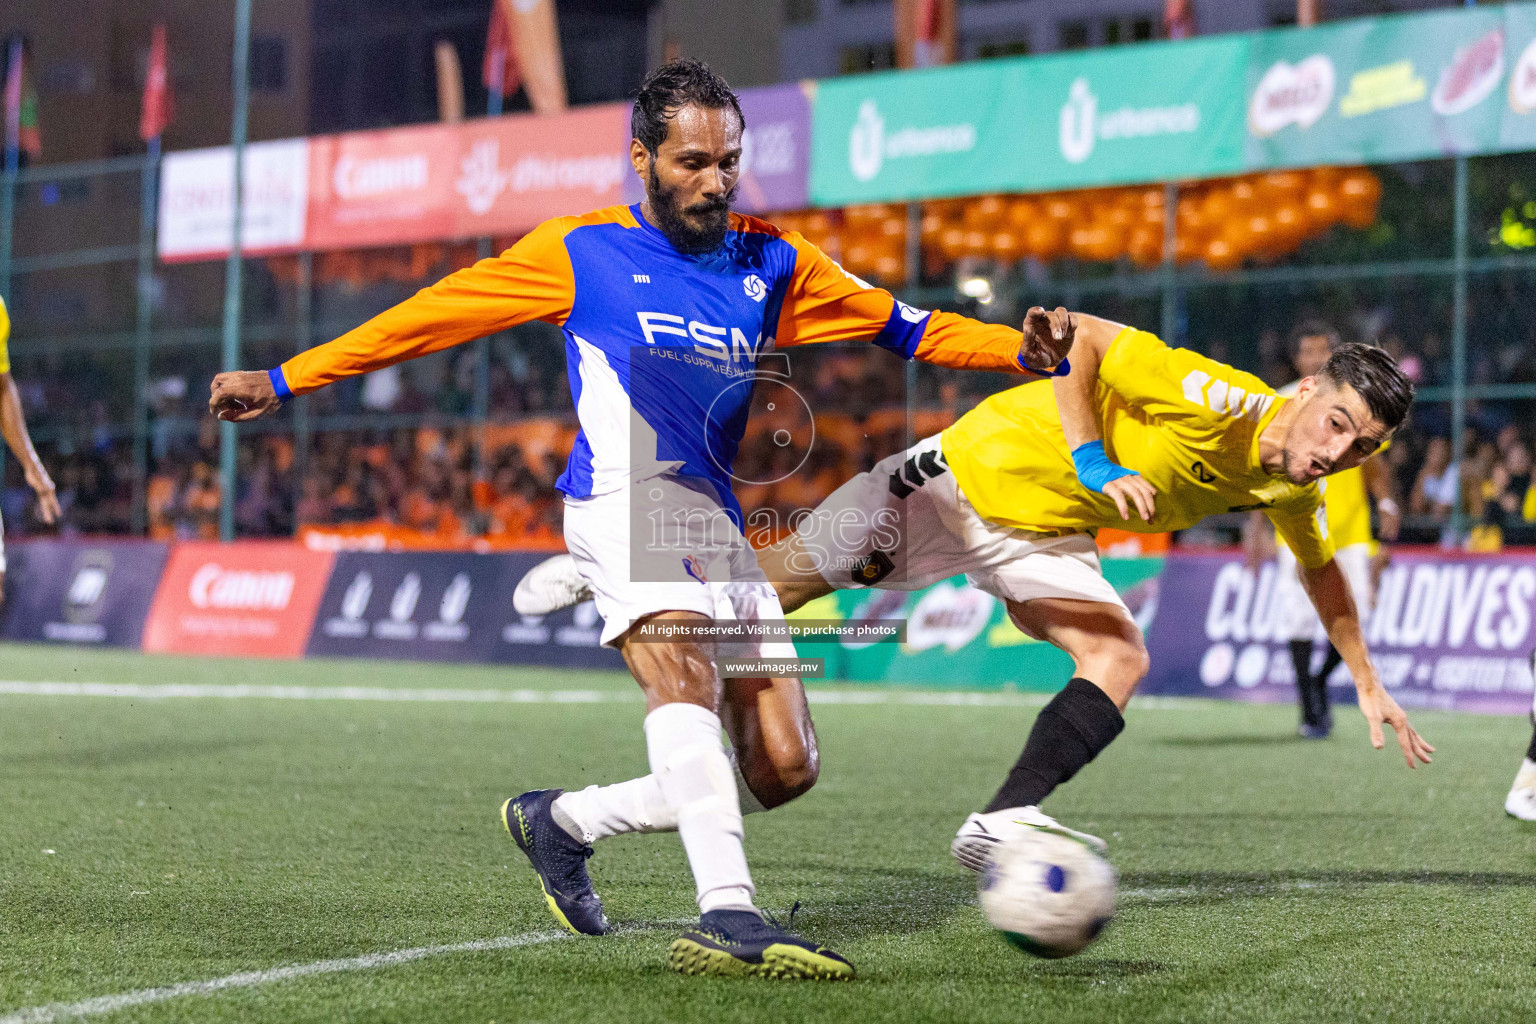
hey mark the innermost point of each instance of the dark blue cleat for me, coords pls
(559, 858)
(742, 944)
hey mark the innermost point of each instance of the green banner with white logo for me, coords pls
(1368, 90)
(1142, 113)
(1377, 90)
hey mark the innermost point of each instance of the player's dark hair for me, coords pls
(1313, 327)
(1375, 376)
(669, 88)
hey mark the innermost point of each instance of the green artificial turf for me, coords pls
(1262, 878)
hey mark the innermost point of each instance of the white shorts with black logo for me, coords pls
(663, 545)
(906, 525)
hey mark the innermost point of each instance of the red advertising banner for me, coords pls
(515, 172)
(382, 188)
(254, 599)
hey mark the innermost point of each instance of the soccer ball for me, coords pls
(1048, 894)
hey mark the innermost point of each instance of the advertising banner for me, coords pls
(196, 213)
(1128, 114)
(512, 173)
(254, 599)
(381, 188)
(1446, 632)
(958, 636)
(449, 606)
(1518, 126)
(1377, 89)
(775, 150)
(94, 593)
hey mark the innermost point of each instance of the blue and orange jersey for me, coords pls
(661, 347)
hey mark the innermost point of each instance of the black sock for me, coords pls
(1079, 722)
(1301, 658)
(1331, 662)
(1531, 751)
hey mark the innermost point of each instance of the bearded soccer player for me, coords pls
(1347, 499)
(1011, 493)
(14, 426)
(666, 307)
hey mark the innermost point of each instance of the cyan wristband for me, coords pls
(1094, 468)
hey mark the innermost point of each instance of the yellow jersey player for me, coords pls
(1347, 499)
(1011, 494)
(14, 426)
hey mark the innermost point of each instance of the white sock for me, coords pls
(600, 812)
(688, 759)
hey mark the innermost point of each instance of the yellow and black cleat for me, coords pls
(560, 860)
(741, 944)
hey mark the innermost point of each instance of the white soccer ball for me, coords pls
(1048, 894)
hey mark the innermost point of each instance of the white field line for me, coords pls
(51, 1012)
(248, 979)
(241, 691)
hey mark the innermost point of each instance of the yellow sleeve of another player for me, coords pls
(1178, 384)
(5, 339)
(1305, 533)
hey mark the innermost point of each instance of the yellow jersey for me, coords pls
(1189, 425)
(1344, 496)
(5, 338)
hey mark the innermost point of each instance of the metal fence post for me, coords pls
(234, 266)
(304, 313)
(144, 310)
(914, 256)
(1459, 344)
(1170, 273)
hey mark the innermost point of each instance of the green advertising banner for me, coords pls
(958, 636)
(1143, 113)
(1377, 90)
(1518, 130)
(1369, 90)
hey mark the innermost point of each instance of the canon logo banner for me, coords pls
(251, 599)
(214, 586)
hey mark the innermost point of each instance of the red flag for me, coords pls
(22, 132)
(925, 33)
(158, 104)
(1179, 19)
(499, 68)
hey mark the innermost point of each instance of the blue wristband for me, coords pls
(1094, 468)
(1062, 368)
(280, 384)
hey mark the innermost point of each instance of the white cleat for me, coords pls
(1521, 802)
(982, 833)
(549, 586)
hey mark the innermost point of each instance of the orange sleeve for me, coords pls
(530, 281)
(826, 303)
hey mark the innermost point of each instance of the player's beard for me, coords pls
(694, 230)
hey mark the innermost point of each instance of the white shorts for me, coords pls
(905, 525)
(1296, 619)
(691, 557)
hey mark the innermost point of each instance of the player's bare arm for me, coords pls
(1379, 485)
(243, 395)
(1078, 406)
(14, 426)
(1335, 605)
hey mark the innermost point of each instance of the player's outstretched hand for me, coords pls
(1047, 337)
(47, 497)
(1378, 706)
(242, 395)
(1133, 490)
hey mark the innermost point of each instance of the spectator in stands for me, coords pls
(1434, 492)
